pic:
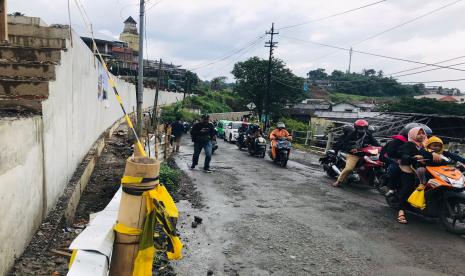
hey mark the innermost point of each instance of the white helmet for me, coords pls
(281, 125)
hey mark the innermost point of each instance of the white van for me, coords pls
(231, 131)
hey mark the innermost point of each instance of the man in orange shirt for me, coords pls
(279, 132)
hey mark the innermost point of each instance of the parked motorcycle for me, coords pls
(256, 145)
(283, 149)
(368, 171)
(444, 195)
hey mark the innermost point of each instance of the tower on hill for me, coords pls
(130, 34)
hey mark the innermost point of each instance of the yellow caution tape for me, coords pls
(136, 180)
(124, 229)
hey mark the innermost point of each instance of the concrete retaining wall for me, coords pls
(38, 155)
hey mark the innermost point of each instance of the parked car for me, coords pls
(231, 131)
(221, 127)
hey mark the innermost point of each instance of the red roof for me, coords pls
(448, 99)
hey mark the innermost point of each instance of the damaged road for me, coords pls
(260, 219)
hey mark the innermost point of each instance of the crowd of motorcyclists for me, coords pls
(412, 160)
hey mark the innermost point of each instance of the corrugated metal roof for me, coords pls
(345, 115)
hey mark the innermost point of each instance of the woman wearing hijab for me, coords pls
(412, 153)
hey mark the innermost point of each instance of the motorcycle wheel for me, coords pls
(329, 171)
(458, 215)
(283, 160)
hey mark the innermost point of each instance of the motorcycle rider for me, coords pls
(359, 138)
(346, 130)
(413, 154)
(279, 132)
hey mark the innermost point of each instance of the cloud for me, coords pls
(190, 32)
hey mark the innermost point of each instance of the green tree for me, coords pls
(318, 74)
(424, 106)
(218, 83)
(286, 88)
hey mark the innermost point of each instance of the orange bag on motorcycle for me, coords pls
(417, 199)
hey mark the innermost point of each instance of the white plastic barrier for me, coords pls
(95, 244)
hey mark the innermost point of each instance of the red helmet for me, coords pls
(361, 123)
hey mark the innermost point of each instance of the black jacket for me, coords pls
(355, 140)
(203, 132)
(407, 152)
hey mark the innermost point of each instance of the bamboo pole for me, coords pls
(132, 213)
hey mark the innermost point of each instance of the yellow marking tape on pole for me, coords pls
(124, 229)
(120, 101)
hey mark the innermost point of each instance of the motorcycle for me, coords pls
(283, 149)
(368, 171)
(241, 140)
(444, 196)
(256, 145)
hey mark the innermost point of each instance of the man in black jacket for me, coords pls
(359, 138)
(202, 134)
(177, 130)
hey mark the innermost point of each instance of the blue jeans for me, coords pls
(207, 147)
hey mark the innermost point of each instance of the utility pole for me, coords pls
(140, 79)
(350, 59)
(3, 21)
(186, 87)
(155, 100)
(269, 44)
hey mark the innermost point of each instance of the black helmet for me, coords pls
(205, 116)
(408, 127)
(347, 129)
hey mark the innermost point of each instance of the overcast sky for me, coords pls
(189, 33)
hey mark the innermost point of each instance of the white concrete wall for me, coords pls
(74, 117)
(39, 155)
(21, 175)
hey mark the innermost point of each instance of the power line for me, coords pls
(227, 56)
(419, 67)
(408, 21)
(238, 57)
(290, 86)
(331, 16)
(373, 54)
(392, 28)
(419, 72)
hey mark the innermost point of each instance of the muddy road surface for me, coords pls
(260, 219)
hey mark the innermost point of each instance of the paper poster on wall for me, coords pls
(102, 86)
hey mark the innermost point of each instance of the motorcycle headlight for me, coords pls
(459, 183)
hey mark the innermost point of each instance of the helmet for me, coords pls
(280, 125)
(408, 127)
(361, 123)
(205, 116)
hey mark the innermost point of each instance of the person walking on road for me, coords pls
(203, 133)
(177, 129)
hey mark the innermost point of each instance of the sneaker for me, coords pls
(207, 170)
(389, 193)
(192, 166)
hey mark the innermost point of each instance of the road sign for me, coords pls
(251, 106)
